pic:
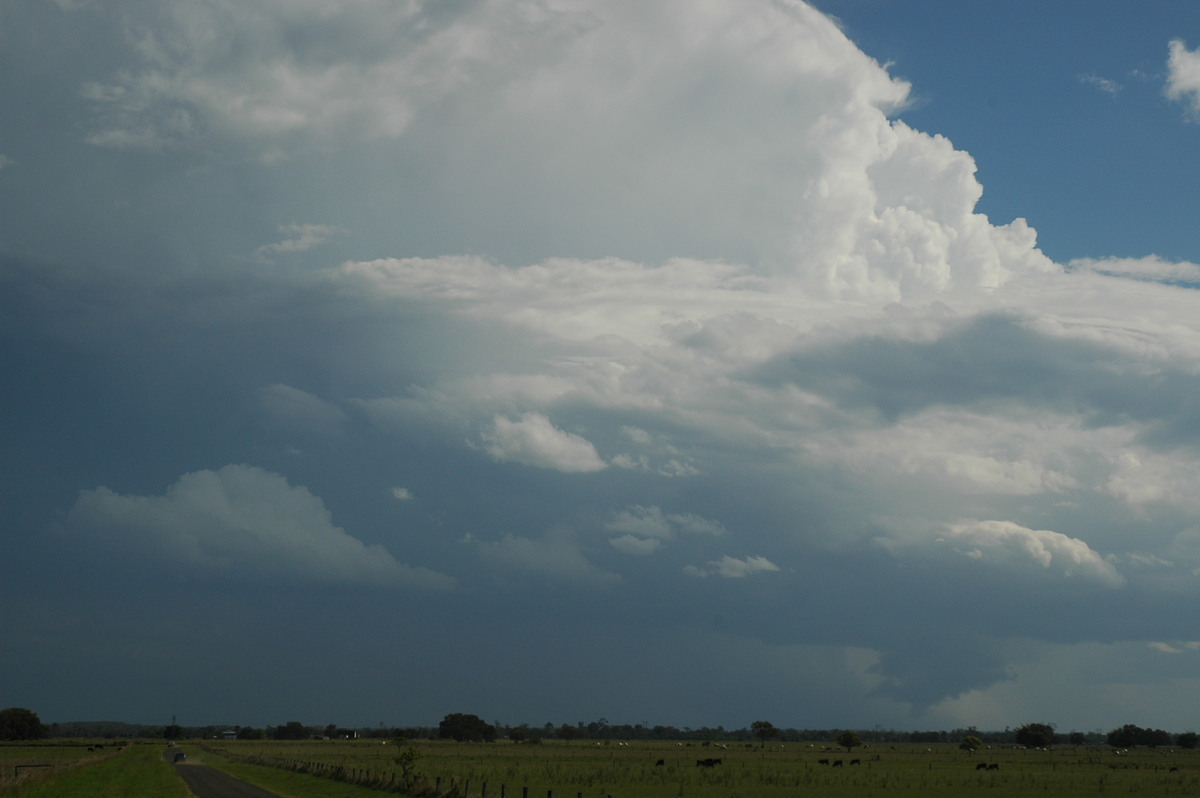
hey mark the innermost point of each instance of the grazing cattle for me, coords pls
(822, 761)
(837, 763)
(855, 761)
(707, 763)
(660, 763)
(981, 766)
(1173, 770)
(993, 766)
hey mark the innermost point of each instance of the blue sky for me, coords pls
(1062, 106)
(681, 363)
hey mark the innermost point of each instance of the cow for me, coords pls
(981, 766)
(837, 763)
(660, 763)
(822, 761)
(855, 761)
(993, 766)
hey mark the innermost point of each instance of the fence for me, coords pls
(391, 781)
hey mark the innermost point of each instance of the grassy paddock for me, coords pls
(747, 771)
(138, 771)
(41, 757)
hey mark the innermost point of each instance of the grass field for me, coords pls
(746, 771)
(138, 771)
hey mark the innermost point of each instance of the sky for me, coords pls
(682, 363)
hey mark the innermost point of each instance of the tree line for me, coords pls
(19, 723)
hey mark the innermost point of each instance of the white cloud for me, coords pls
(557, 556)
(1151, 267)
(241, 520)
(300, 409)
(268, 72)
(401, 494)
(1005, 542)
(1110, 87)
(646, 528)
(1183, 78)
(533, 440)
(732, 568)
(302, 237)
(632, 544)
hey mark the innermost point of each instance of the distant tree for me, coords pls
(1130, 735)
(461, 727)
(1076, 738)
(18, 723)
(1188, 740)
(293, 730)
(566, 732)
(250, 733)
(1035, 735)
(970, 743)
(173, 732)
(764, 730)
(848, 740)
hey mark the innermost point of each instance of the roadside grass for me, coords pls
(284, 782)
(137, 772)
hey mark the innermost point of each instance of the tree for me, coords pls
(1035, 735)
(460, 727)
(18, 723)
(848, 740)
(764, 730)
(294, 730)
(1188, 740)
(1130, 735)
(173, 732)
(566, 732)
(970, 743)
(250, 733)
(407, 762)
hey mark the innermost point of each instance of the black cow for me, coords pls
(837, 763)
(660, 763)
(822, 761)
(981, 766)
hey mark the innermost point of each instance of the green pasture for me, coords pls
(137, 771)
(570, 769)
(622, 770)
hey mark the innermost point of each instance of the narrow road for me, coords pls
(207, 782)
